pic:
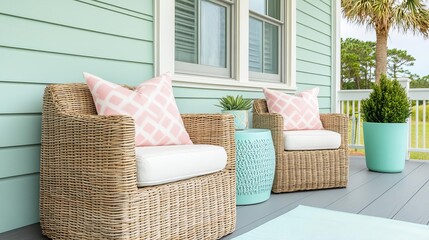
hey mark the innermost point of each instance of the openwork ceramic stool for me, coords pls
(255, 163)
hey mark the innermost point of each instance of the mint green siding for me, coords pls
(314, 48)
(51, 41)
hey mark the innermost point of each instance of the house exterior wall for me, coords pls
(50, 41)
(314, 38)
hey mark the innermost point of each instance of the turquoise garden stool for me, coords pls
(255, 162)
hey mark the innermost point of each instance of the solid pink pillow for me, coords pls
(300, 112)
(152, 106)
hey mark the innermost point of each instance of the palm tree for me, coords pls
(383, 15)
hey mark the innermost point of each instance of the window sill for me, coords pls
(191, 81)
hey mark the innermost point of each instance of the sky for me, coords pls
(416, 46)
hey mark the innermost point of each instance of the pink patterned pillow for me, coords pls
(300, 112)
(151, 105)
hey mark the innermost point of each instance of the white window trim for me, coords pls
(281, 24)
(188, 68)
(165, 61)
(336, 53)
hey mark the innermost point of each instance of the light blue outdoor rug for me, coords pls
(314, 223)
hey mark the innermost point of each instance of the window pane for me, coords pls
(186, 31)
(213, 34)
(258, 6)
(271, 48)
(273, 9)
(255, 45)
(266, 7)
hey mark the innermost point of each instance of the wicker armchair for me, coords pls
(88, 177)
(305, 170)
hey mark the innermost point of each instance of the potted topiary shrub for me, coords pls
(238, 107)
(385, 130)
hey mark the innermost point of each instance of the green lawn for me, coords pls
(413, 155)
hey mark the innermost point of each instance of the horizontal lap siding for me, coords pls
(190, 100)
(51, 41)
(19, 199)
(314, 48)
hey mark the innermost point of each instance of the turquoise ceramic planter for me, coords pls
(241, 118)
(385, 146)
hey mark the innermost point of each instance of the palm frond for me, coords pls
(413, 16)
(403, 15)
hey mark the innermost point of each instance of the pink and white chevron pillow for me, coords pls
(300, 112)
(152, 106)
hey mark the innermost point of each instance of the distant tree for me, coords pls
(382, 15)
(357, 63)
(412, 76)
(422, 82)
(350, 65)
(396, 61)
(368, 64)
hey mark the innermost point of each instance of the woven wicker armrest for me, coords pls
(337, 123)
(214, 129)
(89, 152)
(274, 122)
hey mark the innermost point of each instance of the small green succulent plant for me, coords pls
(234, 103)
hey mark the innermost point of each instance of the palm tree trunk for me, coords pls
(380, 54)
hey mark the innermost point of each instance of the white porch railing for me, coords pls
(350, 103)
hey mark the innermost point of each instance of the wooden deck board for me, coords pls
(356, 165)
(363, 196)
(392, 201)
(402, 196)
(417, 208)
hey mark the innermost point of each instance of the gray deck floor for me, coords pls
(402, 196)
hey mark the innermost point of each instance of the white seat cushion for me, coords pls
(163, 164)
(311, 140)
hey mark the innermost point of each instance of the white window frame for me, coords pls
(214, 71)
(281, 24)
(336, 56)
(165, 60)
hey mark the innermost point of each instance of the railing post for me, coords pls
(405, 83)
